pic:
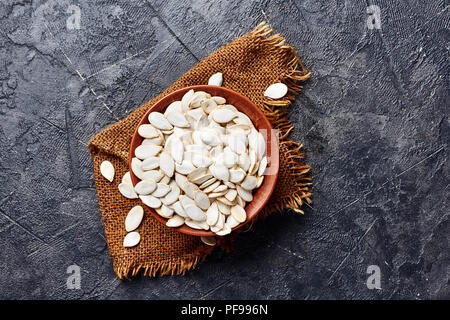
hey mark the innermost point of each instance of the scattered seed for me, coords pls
(107, 170)
(134, 218)
(131, 239)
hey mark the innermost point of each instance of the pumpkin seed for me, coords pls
(276, 90)
(127, 191)
(262, 166)
(231, 195)
(152, 175)
(177, 150)
(211, 187)
(223, 115)
(186, 99)
(165, 211)
(158, 120)
(173, 195)
(136, 167)
(231, 222)
(148, 131)
(220, 221)
(209, 240)
(223, 208)
(151, 201)
(216, 79)
(147, 151)
(145, 187)
(150, 163)
(166, 164)
(175, 222)
(202, 200)
(175, 106)
(131, 239)
(194, 212)
(161, 190)
(212, 214)
(126, 178)
(178, 208)
(249, 183)
(236, 175)
(107, 170)
(259, 181)
(207, 183)
(177, 119)
(219, 100)
(238, 213)
(186, 167)
(244, 194)
(134, 218)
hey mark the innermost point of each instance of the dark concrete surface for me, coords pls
(374, 119)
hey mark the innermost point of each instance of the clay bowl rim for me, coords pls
(262, 194)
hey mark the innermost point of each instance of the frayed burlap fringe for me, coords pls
(277, 115)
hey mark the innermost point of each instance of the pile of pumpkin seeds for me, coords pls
(198, 164)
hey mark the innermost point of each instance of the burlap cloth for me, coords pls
(249, 65)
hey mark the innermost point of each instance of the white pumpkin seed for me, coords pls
(126, 178)
(161, 190)
(231, 222)
(156, 140)
(165, 211)
(194, 212)
(193, 224)
(173, 195)
(165, 180)
(152, 175)
(186, 99)
(244, 194)
(177, 150)
(145, 187)
(240, 201)
(219, 100)
(231, 194)
(223, 115)
(276, 90)
(259, 181)
(186, 167)
(238, 213)
(220, 172)
(151, 201)
(220, 221)
(207, 183)
(249, 183)
(150, 163)
(212, 214)
(262, 166)
(127, 191)
(131, 239)
(107, 170)
(261, 146)
(173, 107)
(148, 131)
(202, 200)
(175, 222)
(134, 218)
(225, 201)
(166, 164)
(211, 187)
(136, 167)
(178, 208)
(185, 201)
(236, 175)
(177, 119)
(189, 188)
(223, 208)
(216, 79)
(209, 240)
(158, 120)
(208, 105)
(147, 151)
(226, 230)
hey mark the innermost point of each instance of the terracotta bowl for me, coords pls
(260, 195)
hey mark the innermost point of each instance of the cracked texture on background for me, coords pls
(374, 119)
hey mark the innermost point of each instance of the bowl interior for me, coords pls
(243, 104)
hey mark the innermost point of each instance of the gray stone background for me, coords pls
(374, 119)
